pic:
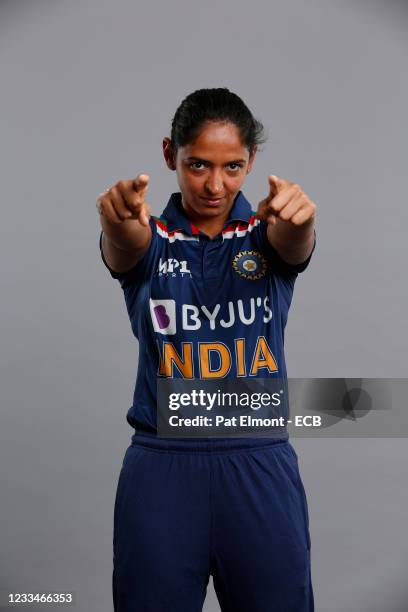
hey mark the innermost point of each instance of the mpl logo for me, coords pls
(163, 313)
(172, 266)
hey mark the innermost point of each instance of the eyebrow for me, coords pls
(206, 161)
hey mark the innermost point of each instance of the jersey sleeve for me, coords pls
(142, 270)
(273, 256)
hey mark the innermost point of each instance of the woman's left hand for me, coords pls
(286, 201)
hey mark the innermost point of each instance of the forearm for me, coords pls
(130, 235)
(294, 243)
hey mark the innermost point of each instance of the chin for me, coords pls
(213, 210)
(208, 212)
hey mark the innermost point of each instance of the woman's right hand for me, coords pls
(125, 200)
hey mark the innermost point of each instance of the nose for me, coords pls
(214, 184)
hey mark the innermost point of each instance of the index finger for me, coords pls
(141, 183)
(276, 185)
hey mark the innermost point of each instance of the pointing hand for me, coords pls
(125, 200)
(286, 201)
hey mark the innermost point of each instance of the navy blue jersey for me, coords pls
(206, 308)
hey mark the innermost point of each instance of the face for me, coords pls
(210, 170)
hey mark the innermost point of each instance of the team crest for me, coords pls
(250, 264)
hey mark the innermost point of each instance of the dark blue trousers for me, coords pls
(234, 508)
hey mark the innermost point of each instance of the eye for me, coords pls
(195, 164)
(237, 166)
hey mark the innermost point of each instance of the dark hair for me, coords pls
(218, 104)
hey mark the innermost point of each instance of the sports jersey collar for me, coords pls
(177, 219)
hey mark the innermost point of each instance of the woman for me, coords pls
(207, 286)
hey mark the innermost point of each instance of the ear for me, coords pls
(168, 153)
(251, 158)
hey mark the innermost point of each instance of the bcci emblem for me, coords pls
(250, 264)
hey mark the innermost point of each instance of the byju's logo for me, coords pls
(172, 267)
(193, 317)
(163, 313)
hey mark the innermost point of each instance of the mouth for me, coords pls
(213, 201)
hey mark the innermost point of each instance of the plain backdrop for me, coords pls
(88, 91)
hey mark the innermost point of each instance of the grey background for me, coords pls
(88, 90)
